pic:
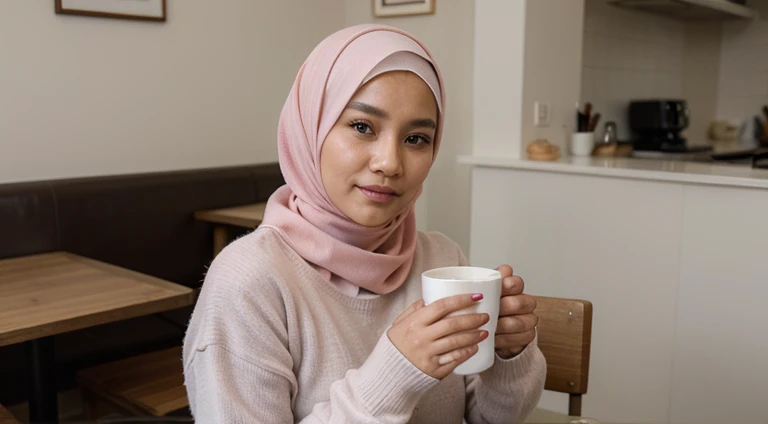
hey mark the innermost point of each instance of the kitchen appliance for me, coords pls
(657, 125)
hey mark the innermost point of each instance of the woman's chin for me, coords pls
(372, 216)
(372, 221)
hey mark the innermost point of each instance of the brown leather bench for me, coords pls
(142, 222)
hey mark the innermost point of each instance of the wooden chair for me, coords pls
(6, 417)
(565, 334)
(144, 385)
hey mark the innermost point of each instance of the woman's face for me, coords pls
(378, 154)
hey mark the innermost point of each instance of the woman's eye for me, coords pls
(416, 140)
(361, 127)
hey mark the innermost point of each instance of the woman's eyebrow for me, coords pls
(423, 123)
(373, 110)
(366, 108)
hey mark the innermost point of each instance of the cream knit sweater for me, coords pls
(270, 341)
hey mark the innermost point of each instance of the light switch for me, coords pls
(542, 114)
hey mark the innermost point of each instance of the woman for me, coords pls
(316, 316)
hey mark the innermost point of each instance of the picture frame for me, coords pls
(392, 8)
(144, 10)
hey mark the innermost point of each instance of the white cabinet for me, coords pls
(676, 273)
(721, 343)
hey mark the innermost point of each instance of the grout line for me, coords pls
(677, 302)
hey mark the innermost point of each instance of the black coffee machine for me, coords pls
(656, 125)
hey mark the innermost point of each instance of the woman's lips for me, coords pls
(378, 194)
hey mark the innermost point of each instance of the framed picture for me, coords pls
(387, 8)
(146, 10)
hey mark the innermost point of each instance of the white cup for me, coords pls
(450, 281)
(582, 143)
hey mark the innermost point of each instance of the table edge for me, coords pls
(164, 304)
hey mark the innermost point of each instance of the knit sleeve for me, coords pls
(225, 388)
(509, 390)
(385, 389)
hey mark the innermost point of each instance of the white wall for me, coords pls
(552, 67)
(743, 87)
(87, 96)
(498, 77)
(449, 35)
(525, 51)
(701, 68)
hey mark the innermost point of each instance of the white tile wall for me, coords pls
(629, 55)
(743, 87)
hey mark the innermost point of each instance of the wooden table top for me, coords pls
(53, 293)
(248, 216)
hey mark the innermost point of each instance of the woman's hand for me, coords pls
(517, 320)
(434, 343)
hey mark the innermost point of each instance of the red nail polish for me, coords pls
(477, 296)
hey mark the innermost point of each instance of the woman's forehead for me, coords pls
(395, 90)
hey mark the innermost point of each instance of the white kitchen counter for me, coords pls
(671, 254)
(639, 169)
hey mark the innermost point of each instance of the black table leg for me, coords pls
(41, 375)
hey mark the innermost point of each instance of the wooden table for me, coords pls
(246, 216)
(6, 417)
(52, 293)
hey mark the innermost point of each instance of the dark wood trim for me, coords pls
(574, 405)
(62, 11)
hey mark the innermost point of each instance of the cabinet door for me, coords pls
(614, 242)
(720, 373)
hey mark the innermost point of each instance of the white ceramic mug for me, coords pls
(444, 282)
(582, 143)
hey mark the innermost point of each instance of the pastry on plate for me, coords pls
(542, 149)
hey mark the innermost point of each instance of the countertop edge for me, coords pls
(615, 171)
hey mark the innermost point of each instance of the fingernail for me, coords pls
(483, 335)
(477, 296)
(508, 283)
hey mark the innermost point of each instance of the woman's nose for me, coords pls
(386, 157)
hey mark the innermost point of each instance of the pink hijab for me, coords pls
(345, 253)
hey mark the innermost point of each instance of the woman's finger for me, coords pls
(415, 306)
(517, 305)
(449, 361)
(457, 341)
(512, 285)
(516, 324)
(514, 341)
(456, 324)
(438, 309)
(505, 270)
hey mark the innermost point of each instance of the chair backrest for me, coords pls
(565, 334)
